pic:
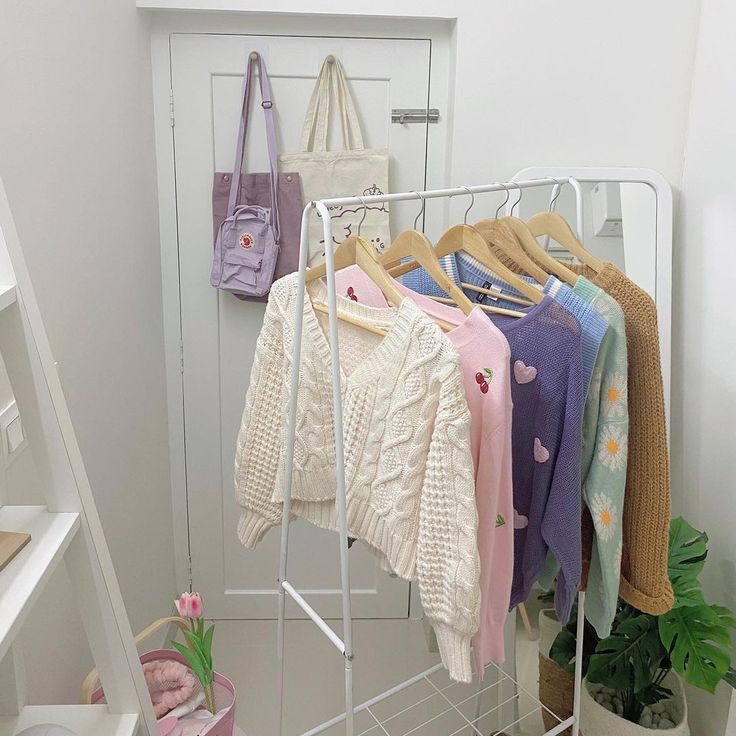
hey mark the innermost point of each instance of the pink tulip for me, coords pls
(182, 605)
(195, 605)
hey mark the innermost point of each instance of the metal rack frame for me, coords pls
(345, 645)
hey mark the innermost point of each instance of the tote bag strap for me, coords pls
(255, 60)
(316, 121)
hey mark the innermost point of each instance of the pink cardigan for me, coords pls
(485, 358)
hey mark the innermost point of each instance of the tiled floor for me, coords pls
(386, 652)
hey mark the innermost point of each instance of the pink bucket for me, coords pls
(224, 695)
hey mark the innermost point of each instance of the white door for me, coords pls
(219, 332)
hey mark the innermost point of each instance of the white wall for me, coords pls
(77, 160)
(704, 346)
(549, 83)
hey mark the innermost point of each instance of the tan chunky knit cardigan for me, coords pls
(645, 581)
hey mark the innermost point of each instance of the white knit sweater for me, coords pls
(408, 466)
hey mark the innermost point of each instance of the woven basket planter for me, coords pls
(556, 690)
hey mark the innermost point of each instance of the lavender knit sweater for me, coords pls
(546, 388)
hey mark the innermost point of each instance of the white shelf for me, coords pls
(7, 295)
(83, 720)
(208, 5)
(23, 579)
(244, 6)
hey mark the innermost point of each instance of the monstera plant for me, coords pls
(693, 639)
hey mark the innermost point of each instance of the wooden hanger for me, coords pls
(554, 225)
(469, 240)
(416, 245)
(466, 238)
(358, 251)
(502, 233)
(484, 307)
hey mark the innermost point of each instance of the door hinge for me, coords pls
(415, 115)
(181, 357)
(171, 107)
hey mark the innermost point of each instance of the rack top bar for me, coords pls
(438, 193)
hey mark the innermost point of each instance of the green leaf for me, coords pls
(725, 616)
(207, 645)
(652, 694)
(192, 659)
(629, 657)
(698, 640)
(196, 643)
(562, 650)
(688, 549)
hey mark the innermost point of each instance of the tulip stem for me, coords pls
(209, 698)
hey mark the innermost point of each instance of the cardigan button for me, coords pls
(289, 178)
(226, 178)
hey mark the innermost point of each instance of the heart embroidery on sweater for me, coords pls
(541, 453)
(520, 521)
(524, 373)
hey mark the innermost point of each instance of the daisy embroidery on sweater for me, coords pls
(612, 443)
(614, 399)
(604, 516)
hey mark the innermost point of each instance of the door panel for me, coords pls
(219, 332)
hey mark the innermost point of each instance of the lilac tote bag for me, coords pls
(233, 189)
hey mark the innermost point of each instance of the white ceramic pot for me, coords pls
(549, 627)
(595, 720)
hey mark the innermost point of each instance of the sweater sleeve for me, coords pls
(495, 542)
(259, 445)
(448, 567)
(561, 521)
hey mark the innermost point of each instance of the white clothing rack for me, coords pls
(379, 724)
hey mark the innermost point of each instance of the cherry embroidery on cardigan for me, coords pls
(483, 378)
(524, 373)
(351, 293)
(541, 453)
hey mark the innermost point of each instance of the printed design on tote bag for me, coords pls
(246, 241)
(338, 211)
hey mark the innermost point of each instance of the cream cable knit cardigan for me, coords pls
(409, 470)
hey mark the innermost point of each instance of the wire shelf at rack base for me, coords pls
(438, 702)
(450, 709)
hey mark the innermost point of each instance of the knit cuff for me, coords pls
(564, 598)
(656, 605)
(455, 651)
(252, 527)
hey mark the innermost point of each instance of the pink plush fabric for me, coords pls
(170, 684)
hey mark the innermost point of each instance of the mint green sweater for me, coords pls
(605, 435)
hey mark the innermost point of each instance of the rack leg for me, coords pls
(578, 663)
(289, 463)
(340, 498)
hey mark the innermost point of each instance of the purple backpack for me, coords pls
(247, 241)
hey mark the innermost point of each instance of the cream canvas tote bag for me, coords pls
(352, 171)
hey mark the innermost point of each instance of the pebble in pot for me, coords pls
(602, 708)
